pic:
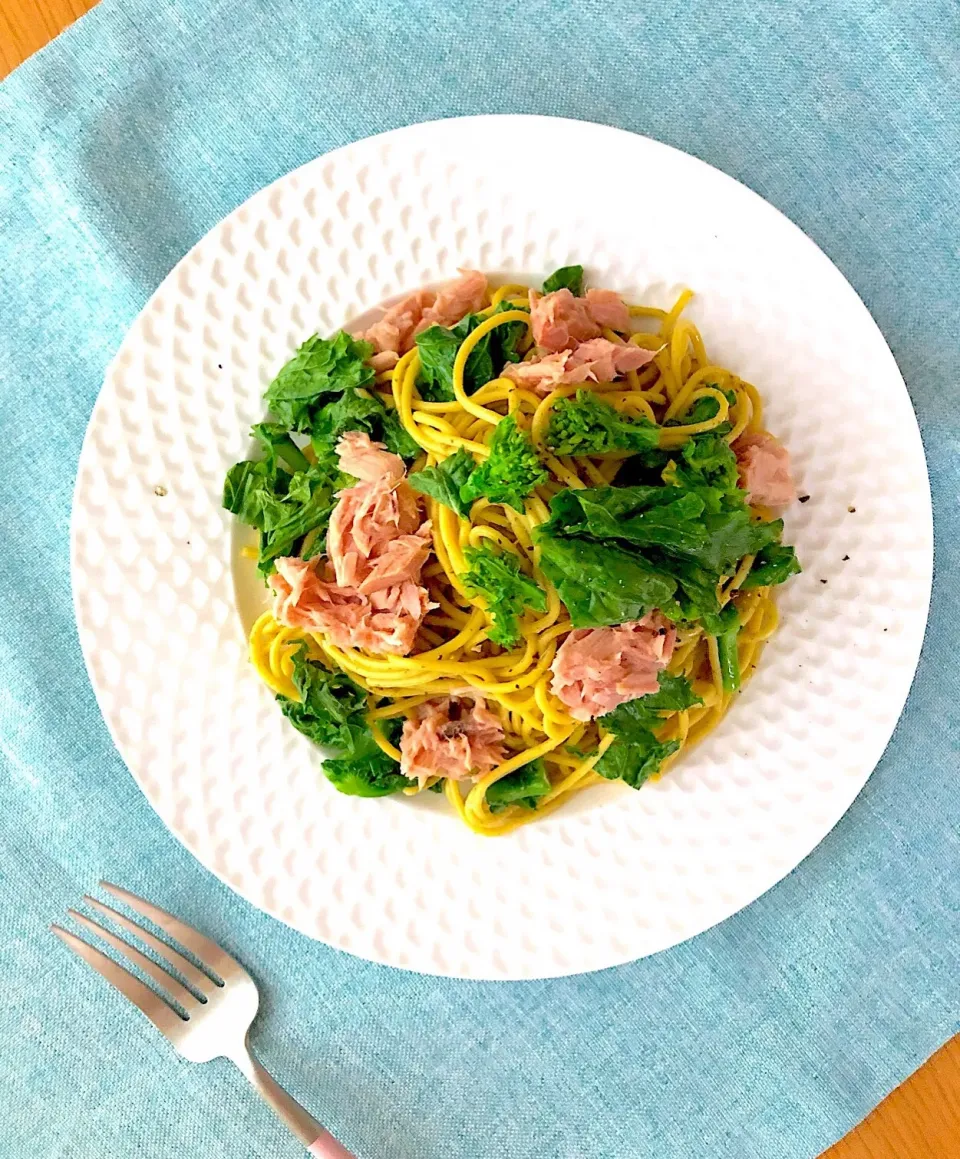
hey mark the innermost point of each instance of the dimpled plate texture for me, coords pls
(163, 601)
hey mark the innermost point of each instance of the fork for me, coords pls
(219, 1009)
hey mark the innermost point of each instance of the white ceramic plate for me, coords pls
(617, 874)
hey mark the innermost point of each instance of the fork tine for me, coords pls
(163, 1017)
(208, 952)
(173, 987)
(197, 979)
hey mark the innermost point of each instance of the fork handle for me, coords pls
(317, 1139)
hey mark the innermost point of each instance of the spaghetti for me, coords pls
(454, 651)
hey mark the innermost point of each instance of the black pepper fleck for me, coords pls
(886, 629)
(804, 499)
(845, 558)
(823, 581)
(219, 366)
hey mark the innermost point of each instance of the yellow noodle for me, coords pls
(466, 346)
(512, 289)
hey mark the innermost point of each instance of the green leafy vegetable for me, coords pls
(685, 518)
(331, 713)
(329, 702)
(703, 410)
(507, 338)
(711, 460)
(696, 587)
(634, 716)
(511, 472)
(444, 481)
(601, 584)
(567, 277)
(672, 518)
(370, 773)
(509, 475)
(284, 508)
(321, 368)
(314, 543)
(774, 564)
(726, 627)
(636, 761)
(664, 516)
(589, 426)
(247, 489)
(309, 504)
(522, 787)
(507, 591)
(647, 466)
(693, 532)
(284, 496)
(708, 466)
(731, 536)
(277, 444)
(637, 754)
(438, 346)
(360, 410)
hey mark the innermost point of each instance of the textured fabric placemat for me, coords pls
(770, 1035)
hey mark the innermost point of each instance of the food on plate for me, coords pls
(516, 541)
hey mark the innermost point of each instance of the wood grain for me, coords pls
(921, 1118)
(26, 25)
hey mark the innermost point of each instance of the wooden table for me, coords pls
(921, 1118)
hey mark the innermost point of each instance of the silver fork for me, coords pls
(217, 1022)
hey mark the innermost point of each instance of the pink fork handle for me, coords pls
(326, 1147)
(313, 1135)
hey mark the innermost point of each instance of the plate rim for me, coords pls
(907, 675)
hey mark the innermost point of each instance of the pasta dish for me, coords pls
(518, 540)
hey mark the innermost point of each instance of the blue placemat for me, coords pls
(768, 1036)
